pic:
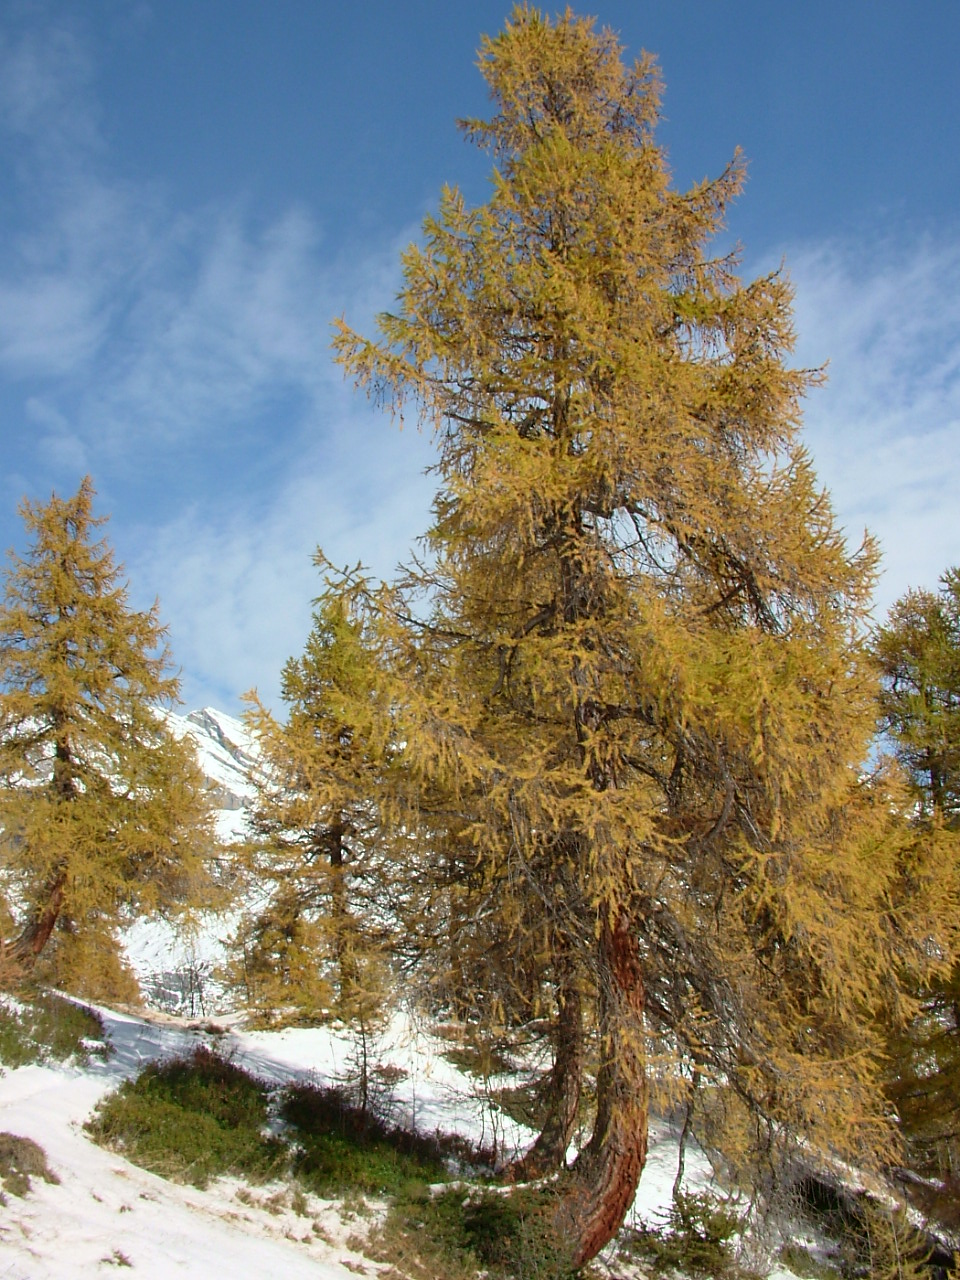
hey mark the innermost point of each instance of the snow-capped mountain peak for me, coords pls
(226, 750)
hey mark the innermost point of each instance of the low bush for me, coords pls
(480, 1060)
(453, 1234)
(340, 1147)
(525, 1103)
(192, 1119)
(866, 1239)
(697, 1239)
(807, 1264)
(44, 1027)
(20, 1160)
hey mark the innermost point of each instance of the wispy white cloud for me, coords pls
(57, 441)
(182, 357)
(72, 235)
(45, 96)
(209, 340)
(48, 324)
(236, 583)
(155, 322)
(885, 430)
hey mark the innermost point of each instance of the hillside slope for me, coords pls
(106, 1211)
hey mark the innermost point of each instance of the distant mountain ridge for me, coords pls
(226, 750)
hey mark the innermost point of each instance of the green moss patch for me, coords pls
(339, 1147)
(505, 1235)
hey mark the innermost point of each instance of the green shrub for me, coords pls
(481, 1060)
(525, 1103)
(47, 1028)
(329, 1166)
(696, 1239)
(340, 1147)
(506, 1236)
(428, 1234)
(866, 1239)
(192, 1119)
(804, 1263)
(17, 1047)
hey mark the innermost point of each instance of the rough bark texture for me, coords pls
(607, 1171)
(549, 1152)
(35, 934)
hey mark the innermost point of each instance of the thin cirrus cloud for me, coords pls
(231, 378)
(184, 329)
(143, 320)
(55, 273)
(216, 326)
(240, 355)
(885, 430)
(45, 98)
(63, 272)
(237, 582)
(182, 357)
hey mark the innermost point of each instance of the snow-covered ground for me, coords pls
(106, 1212)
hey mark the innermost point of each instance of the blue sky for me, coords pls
(190, 191)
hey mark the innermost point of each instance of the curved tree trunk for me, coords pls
(607, 1171)
(549, 1152)
(35, 934)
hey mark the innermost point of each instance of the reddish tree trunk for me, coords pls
(607, 1171)
(35, 934)
(549, 1152)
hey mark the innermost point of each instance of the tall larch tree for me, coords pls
(103, 812)
(627, 656)
(312, 940)
(918, 652)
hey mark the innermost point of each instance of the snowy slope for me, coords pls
(225, 751)
(175, 966)
(107, 1212)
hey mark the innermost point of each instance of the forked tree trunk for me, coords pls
(35, 934)
(607, 1171)
(549, 1152)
